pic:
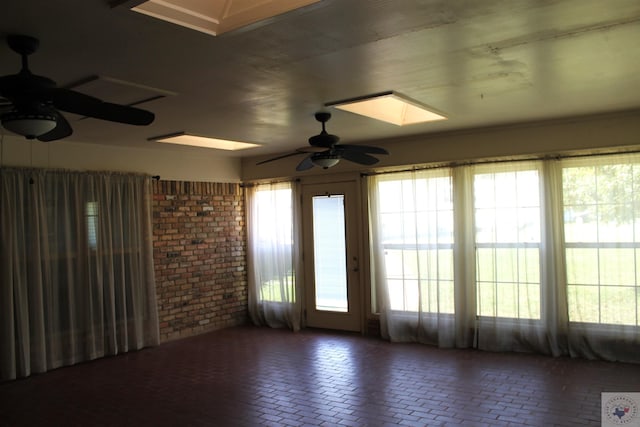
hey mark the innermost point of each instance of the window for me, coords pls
(601, 206)
(273, 243)
(93, 305)
(507, 241)
(91, 215)
(330, 253)
(416, 219)
(544, 255)
(274, 260)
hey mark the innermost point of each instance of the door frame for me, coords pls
(354, 319)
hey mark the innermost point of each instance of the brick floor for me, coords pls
(251, 376)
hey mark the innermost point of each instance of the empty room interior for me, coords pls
(320, 213)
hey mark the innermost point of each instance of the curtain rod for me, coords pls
(75, 171)
(496, 161)
(277, 181)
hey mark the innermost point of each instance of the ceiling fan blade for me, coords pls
(360, 158)
(62, 130)
(304, 165)
(8, 83)
(284, 156)
(124, 114)
(73, 102)
(363, 149)
(85, 105)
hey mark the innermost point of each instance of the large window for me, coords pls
(602, 234)
(273, 236)
(273, 255)
(512, 255)
(507, 240)
(76, 268)
(416, 218)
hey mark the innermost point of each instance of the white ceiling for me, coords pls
(481, 62)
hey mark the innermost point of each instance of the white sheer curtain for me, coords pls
(275, 269)
(507, 214)
(76, 268)
(411, 217)
(601, 210)
(517, 256)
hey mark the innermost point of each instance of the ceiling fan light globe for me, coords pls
(325, 161)
(29, 125)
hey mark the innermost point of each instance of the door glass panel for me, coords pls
(330, 253)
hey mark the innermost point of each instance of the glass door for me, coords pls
(331, 256)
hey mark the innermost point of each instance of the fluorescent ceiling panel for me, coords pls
(204, 142)
(389, 107)
(217, 16)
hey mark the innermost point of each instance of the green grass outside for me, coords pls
(601, 283)
(276, 291)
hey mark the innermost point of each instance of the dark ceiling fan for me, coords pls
(32, 103)
(326, 152)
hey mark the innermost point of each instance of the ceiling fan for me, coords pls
(32, 103)
(325, 152)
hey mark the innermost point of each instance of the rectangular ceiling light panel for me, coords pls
(204, 142)
(390, 107)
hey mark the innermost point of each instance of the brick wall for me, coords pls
(199, 255)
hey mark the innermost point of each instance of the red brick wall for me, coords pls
(200, 257)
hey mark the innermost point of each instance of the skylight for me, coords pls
(204, 142)
(389, 107)
(215, 17)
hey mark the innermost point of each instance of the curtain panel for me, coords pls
(76, 268)
(275, 268)
(537, 256)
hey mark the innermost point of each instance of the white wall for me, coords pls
(171, 164)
